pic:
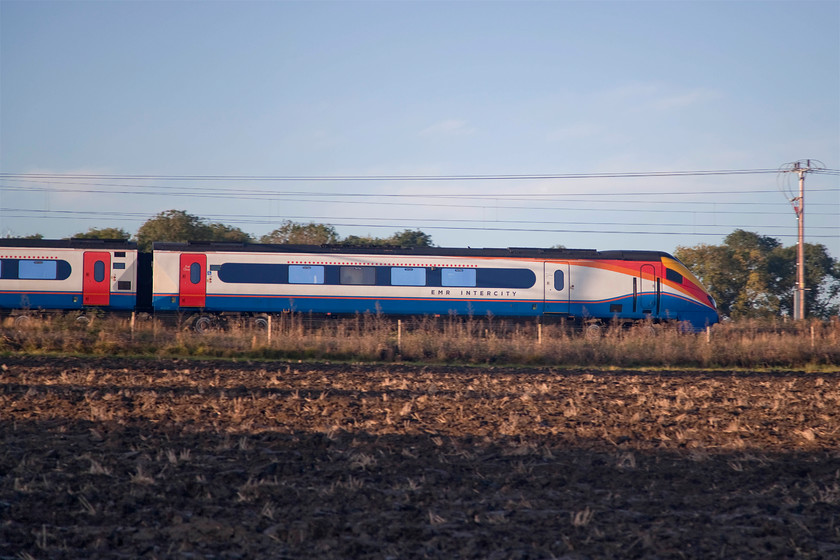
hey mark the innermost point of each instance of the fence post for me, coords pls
(269, 329)
(813, 341)
(399, 335)
(539, 334)
(708, 334)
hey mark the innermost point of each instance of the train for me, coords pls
(208, 281)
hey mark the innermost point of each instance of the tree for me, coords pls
(10, 235)
(358, 241)
(713, 265)
(751, 255)
(104, 233)
(405, 238)
(822, 280)
(177, 225)
(752, 275)
(412, 238)
(294, 233)
(222, 232)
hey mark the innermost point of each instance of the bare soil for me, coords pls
(122, 458)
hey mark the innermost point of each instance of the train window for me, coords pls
(99, 271)
(559, 280)
(673, 276)
(9, 269)
(408, 276)
(119, 266)
(118, 254)
(37, 270)
(195, 273)
(299, 274)
(357, 275)
(252, 273)
(458, 277)
(31, 269)
(505, 278)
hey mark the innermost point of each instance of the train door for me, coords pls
(648, 292)
(557, 282)
(192, 280)
(96, 278)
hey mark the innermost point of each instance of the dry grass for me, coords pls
(747, 344)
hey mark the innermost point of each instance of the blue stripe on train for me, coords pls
(278, 304)
(60, 300)
(671, 307)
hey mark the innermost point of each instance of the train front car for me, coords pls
(683, 296)
(38, 275)
(213, 279)
(632, 286)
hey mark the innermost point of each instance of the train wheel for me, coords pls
(261, 323)
(593, 331)
(204, 324)
(82, 320)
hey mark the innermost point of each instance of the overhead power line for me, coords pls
(505, 177)
(270, 219)
(233, 192)
(683, 201)
(370, 222)
(273, 218)
(492, 202)
(555, 230)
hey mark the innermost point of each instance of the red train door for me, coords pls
(192, 283)
(96, 280)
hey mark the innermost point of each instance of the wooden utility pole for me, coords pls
(799, 313)
(800, 167)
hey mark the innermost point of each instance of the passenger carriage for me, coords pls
(61, 275)
(583, 285)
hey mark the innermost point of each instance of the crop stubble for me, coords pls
(112, 457)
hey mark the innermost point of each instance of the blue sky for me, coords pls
(238, 90)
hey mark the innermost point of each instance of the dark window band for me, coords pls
(375, 275)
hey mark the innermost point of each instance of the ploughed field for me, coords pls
(122, 458)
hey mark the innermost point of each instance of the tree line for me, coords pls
(178, 225)
(753, 276)
(749, 275)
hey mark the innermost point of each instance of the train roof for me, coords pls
(76, 243)
(509, 252)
